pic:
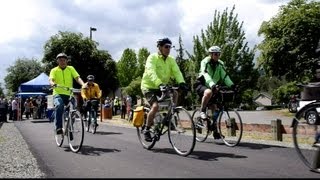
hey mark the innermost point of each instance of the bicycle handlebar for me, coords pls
(65, 88)
(165, 90)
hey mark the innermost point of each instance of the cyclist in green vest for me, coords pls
(160, 68)
(212, 73)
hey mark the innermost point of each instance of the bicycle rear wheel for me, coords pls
(304, 136)
(201, 126)
(181, 132)
(230, 127)
(75, 131)
(141, 130)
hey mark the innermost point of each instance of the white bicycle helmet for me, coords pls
(214, 49)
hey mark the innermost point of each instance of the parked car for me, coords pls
(311, 116)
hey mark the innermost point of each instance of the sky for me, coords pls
(28, 24)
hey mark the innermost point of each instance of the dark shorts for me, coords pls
(151, 95)
(200, 91)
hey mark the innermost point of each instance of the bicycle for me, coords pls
(176, 121)
(306, 134)
(92, 114)
(72, 124)
(229, 120)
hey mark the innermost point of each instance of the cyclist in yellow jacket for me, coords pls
(160, 68)
(90, 95)
(62, 75)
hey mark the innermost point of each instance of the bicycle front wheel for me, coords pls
(230, 127)
(304, 136)
(141, 130)
(75, 131)
(201, 126)
(60, 137)
(181, 132)
(94, 127)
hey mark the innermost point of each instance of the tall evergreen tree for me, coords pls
(226, 31)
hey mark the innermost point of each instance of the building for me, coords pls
(263, 99)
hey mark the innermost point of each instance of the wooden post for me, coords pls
(276, 130)
(231, 124)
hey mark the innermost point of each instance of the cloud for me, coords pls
(27, 25)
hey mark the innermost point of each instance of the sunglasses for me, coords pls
(216, 54)
(167, 47)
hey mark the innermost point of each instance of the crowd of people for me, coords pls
(30, 107)
(123, 106)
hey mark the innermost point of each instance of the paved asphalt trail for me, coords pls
(115, 152)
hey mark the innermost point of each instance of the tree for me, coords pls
(1, 90)
(85, 57)
(127, 67)
(269, 84)
(283, 93)
(143, 54)
(22, 71)
(187, 70)
(134, 89)
(225, 31)
(290, 41)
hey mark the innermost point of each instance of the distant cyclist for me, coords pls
(212, 72)
(62, 75)
(160, 68)
(90, 95)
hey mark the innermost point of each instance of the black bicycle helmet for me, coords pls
(163, 41)
(60, 55)
(90, 77)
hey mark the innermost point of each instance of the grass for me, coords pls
(284, 112)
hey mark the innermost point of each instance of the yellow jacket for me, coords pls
(93, 91)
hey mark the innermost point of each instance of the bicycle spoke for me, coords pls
(304, 137)
(230, 127)
(182, 132)
(76, 131)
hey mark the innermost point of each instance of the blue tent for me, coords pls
(38, 84)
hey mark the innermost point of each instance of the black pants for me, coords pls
(14, 114)
(123, 112)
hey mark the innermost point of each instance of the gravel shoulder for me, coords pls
(16, 159)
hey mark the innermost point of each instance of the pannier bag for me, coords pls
(138, 115)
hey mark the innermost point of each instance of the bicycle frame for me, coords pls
(168, 114)
(70, 115)
(177, 129)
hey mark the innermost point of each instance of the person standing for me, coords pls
(14, 105)
(123, 108)
(27, 108)
(116, 105)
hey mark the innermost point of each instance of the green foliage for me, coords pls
(283, 93)
(1, 90)
(225, 31)
(134, 89)
(142, 58)
(127, 67)
(269, 84)
(22, 71)
(85, 57)
(291, 38)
